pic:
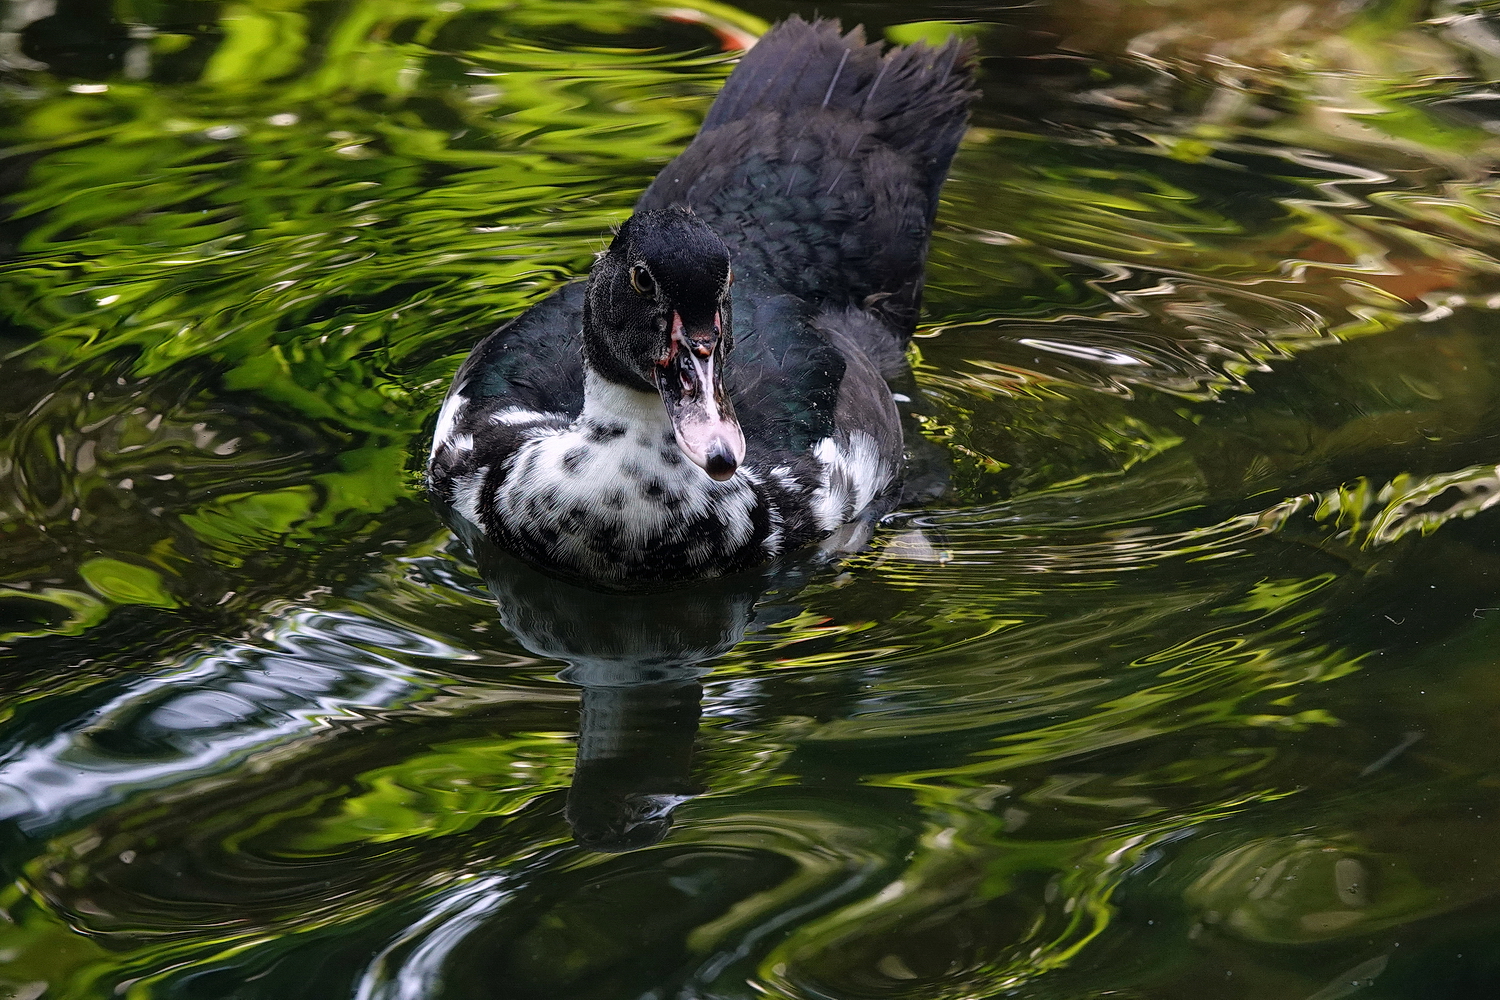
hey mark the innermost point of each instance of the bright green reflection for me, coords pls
(1187, 681)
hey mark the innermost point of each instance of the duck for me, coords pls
(717, 392)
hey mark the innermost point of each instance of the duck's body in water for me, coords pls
(714, 395)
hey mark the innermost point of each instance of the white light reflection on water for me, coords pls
(411, 966)
(221, 708)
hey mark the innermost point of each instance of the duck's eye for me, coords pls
(641, 280)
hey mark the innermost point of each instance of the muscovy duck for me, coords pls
(715, 393)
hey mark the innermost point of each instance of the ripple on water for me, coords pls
(1213, 302)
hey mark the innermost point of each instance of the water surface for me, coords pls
(1186, 686)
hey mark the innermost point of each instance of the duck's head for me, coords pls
(656, 318)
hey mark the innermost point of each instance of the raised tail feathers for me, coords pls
(916, 97)
(821, 162)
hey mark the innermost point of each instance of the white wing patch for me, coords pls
(853, 474)
(785, 478)
(447, 420)
(466, 491)
(516, 415)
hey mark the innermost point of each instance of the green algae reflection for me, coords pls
(1188, 680)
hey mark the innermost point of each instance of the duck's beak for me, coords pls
(692, 389)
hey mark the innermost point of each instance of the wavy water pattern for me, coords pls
(214, 712)
(1183, 682)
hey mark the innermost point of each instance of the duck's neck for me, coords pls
(609, 405)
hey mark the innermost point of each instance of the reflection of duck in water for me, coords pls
(639, 671)
(644, 451)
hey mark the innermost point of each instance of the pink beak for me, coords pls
(699, 408)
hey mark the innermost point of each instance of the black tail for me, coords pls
(915, 97)
(820, 165)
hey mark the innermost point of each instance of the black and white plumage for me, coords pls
(714, 395)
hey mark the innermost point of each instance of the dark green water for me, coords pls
(1187, 689)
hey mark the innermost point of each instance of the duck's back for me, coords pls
(820, 164)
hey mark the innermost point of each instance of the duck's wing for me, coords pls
(534, 362)
(799, 375)
(784, 378)
(525, 376)
(821, 161)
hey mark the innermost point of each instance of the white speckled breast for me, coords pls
(610, 496)
(611, 492)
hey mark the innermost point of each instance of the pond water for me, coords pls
(1185, 687)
